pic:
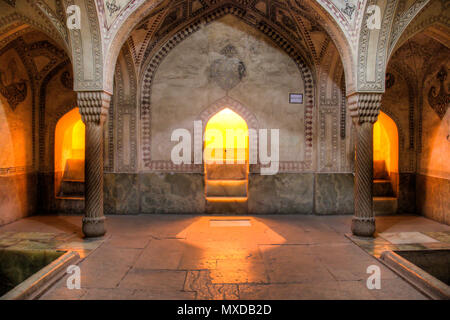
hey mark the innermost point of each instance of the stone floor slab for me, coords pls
(106, 267)
(320, 290)
(407, 237)
(200, 282)
(293, 264)
(240, 271)
(161, 254)
(63, 293)
(154, 280)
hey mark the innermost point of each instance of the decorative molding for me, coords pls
(364, 107)
(328, 159)
(343, 107)
(329, 107)
(15, 92)
(93, 106)
(363, 84)
(439, 101)
(126, 105)
(236, 106)
(404, 19)
(108, 129)
(80, 81)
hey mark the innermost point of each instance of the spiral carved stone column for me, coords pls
(364, 109)
(93, 108)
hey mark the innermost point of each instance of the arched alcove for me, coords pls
(69, 155)
(385, 157)
(226, 132)
(226, 154)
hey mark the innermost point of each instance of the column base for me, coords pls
(94, 227)
(363, 227)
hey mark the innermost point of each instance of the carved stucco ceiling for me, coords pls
(419, 53)
(12, 3)
(347, 7)
(44, 15)
(52, 5)
(112, 9)
(434, 18)
(347, 13)
(171, 15)
(38, 55)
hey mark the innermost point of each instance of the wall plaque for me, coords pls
(296, 98)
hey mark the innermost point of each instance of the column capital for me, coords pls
(93, 105)
(364, 106)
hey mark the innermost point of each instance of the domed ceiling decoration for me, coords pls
(112, 9)
(285, 17)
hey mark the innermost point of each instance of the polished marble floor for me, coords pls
(193, 257)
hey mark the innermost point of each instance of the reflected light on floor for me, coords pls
(229, 246)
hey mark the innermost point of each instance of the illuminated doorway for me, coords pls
(226, 163)
(69, 155)
(385, 165)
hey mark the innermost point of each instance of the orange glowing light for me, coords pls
(226, 156)
(228, 182)
(226, 138)
(78, 140)
(385, 143)
(232, 251)
(69, 142)
(227, 199)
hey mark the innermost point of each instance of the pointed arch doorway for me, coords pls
(69, 156)
(226, 154)
(385, 165)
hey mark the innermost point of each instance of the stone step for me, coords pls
(383, 206)
(72, 188)
(379, 170)
(226, 171)
(74, 169)
(382, 188)
(226, 188)
(69, 204)
(226, 205)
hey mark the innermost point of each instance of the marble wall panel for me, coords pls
(407, 193)
(333, 193)
(171, 193)
(18, 196)
(281, 194)
(121, 193)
